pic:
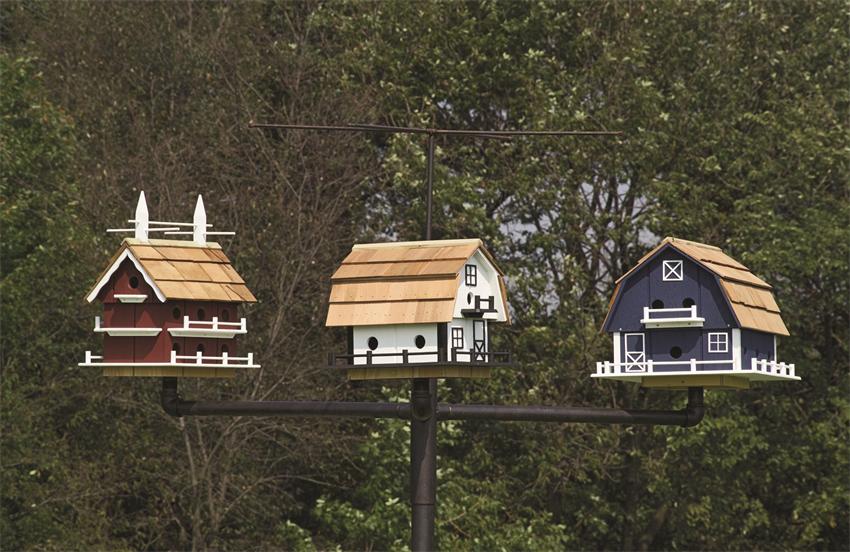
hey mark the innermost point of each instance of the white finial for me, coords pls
(199, 223)
(141, 218)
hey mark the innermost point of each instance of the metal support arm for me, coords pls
(690, 416)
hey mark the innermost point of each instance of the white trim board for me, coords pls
(112, 269)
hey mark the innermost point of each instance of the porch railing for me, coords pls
(406, 356)
(772, 367)
(649, 367)
(198, 359)
(209, 328)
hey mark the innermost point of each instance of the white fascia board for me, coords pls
(109, 273)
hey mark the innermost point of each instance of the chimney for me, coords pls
(141, 219)
(199, 223)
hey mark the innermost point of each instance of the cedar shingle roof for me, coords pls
(183, 270)
(751, 297)
(402, 282)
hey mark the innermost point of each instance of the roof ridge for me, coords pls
(170, 243)
(671, 239)
(421, 243)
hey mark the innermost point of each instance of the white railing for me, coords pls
(209, 328)
(198, 359)
(757, 368)
(671, 317)
(222, 361)
(772, 367)
(648, 367)
(125, 332)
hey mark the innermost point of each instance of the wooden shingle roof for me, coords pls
(180, 269)
(750, 297)
(401, 282)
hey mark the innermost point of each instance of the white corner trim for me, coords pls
(109, 273)
(736, 348)
(617, 356)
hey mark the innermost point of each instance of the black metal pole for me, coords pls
(423, 464)
(429, 184)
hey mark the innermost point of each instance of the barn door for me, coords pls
(635, 352)
(479, 340)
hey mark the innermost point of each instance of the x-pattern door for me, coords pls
(635, 353)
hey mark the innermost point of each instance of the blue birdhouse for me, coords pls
(689, 315)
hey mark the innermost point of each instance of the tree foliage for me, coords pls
(734, 121)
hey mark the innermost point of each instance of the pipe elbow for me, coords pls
(170, 398)
(695, 411)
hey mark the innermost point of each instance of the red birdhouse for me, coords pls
(170, 307)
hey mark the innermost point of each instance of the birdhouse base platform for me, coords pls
(410, 371)
(683, 382)
(168, 372)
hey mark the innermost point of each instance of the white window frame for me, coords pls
(672, 271)
(718, 342)
(470, 273)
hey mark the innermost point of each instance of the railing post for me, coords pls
(250, 359)
(694, 310)
(96, 323)
(215, 323)
(693, 365)
(224, 358)
(199, 357)
(369, 357)
(649, 366)
(404, 357)
(646, 313)
(454, 354)
(331, 359)
(186, 322)
(173, 356)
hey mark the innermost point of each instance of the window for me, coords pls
(176, 313)
(372, 343)
(201, 314)
(176, 348)
(134, 282)
(468, 298)
(457, 338)
(225, 315)
(225, 349)
(688, 302)
(471, 272)
(676, 352)
(200, 348)
(420, 341)
(718, 342)
(672, 271)
(658, 304)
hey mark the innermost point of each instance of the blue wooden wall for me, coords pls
(646, 285)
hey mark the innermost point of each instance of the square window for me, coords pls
(672, 271)
(471, 273)
(457, 338)
(718, 342)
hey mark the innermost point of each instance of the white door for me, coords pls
(635, 352)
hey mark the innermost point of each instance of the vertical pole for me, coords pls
(429, 184)
(423, 425)
(423, 463)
